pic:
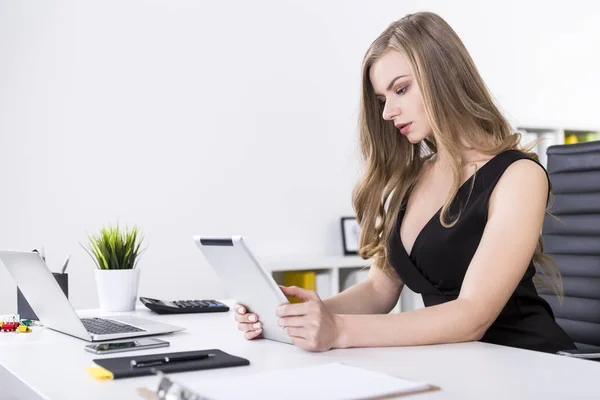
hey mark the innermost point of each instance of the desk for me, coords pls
(473, 370)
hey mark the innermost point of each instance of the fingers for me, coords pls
(303, 343)
(246, 318)
(247, 322)
(308, 344)
(299, 293)
(239, 308)
(241, 314)
(294, 332)
(249, 327)
(292, 309)
(292, 321)
(252, 334)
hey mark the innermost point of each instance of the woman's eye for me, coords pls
(402, 90)
(381, 101)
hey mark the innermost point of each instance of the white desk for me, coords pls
(45, 364)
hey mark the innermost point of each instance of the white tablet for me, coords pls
(246, 280)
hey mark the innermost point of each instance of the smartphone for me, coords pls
(129, 345)
(590, 355)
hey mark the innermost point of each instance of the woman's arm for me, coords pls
(516, 213)
(378, 294)
(515, 216)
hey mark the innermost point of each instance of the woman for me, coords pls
(448, 206)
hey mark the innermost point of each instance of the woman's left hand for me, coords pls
(310, 324)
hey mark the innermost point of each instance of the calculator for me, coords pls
(183, 306)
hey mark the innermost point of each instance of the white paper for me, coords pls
(326, 381)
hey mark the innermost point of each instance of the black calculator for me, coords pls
(183, 306)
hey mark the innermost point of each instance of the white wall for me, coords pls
(202, 117)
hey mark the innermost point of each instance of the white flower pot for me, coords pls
(117, 288)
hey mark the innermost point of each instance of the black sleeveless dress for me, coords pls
(440, 256)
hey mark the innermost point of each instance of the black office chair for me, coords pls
(574, 242)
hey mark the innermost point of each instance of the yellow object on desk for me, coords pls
(24, 329)
(100, 373)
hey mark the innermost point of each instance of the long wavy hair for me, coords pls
(459, 108)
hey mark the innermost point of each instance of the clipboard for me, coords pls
(171, 389)
(152, 364)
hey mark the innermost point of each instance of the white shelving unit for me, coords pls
(553, 136)
(334, 274)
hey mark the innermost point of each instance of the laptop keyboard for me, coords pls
(100, 326)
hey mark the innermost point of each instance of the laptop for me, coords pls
(47, 300)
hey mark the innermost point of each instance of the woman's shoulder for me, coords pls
(515, 159)
(511, 172)
(519, 173)
(512, 155)
(519, 161)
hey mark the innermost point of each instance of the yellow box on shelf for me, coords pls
(571, 139)
(304, 279)
(580, 136)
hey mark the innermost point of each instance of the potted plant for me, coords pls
(116, 255)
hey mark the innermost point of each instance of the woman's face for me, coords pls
(396, 89)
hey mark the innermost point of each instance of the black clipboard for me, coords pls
(121, 367)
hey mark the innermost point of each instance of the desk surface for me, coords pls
(29, 366)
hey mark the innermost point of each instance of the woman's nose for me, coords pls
(389, 111)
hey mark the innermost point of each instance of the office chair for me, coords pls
(574, 242)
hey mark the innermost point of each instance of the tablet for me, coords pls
(246, 280)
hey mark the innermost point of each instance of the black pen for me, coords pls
(168, 360)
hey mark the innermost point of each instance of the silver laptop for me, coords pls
(47, 300)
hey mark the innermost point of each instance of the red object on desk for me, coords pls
(10, 326)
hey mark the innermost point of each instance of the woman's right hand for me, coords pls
(247, 322)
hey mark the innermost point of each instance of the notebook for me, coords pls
(332, 381)
(121, 367)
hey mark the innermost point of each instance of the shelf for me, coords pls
(303, 262)
(554, 136)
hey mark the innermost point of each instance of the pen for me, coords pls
(64, 268)
(168, 360)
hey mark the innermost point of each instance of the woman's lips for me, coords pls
(404, 129)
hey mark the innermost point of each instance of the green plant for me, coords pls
(113, 249)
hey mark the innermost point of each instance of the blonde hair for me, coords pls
(459, 108)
